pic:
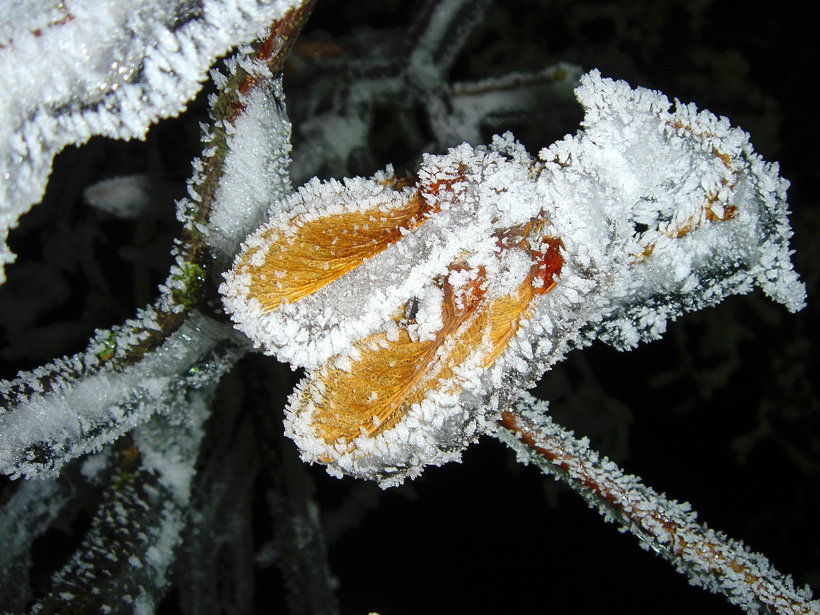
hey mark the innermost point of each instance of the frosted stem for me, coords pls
(467, 109)
(123, 562)
(439, 33)
(214, 571)
(710, 559)
(30, 509)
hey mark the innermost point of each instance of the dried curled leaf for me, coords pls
(419, 309)
(292, 263)
(393, 371)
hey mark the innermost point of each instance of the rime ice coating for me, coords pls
(434, 300)
(55, 418)
(72, 70)
(255, 163)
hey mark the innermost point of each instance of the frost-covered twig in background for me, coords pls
(124, 560)
(469, 110)
(27, 514)
(710, 559)
(335, 113)
(299, 543)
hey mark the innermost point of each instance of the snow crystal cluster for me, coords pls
(654, 210)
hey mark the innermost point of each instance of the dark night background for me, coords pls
(722, 413)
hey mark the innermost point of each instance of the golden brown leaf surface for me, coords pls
(388, 377)
(320, 251)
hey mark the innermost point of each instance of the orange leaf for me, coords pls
(374, 391)
(299, 261)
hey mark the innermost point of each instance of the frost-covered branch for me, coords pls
(299, 540)
(123, 563)
(710, 559)
(436, 37)
(246, 161)
(47, 428)
(214, 571)
(467, 110)
(29, 509)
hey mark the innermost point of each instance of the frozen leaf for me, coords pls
(709, 216)
(71, 70)
(126, 197)
(420, 306)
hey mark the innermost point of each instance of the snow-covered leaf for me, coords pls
(70, 70)
(420, 305)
